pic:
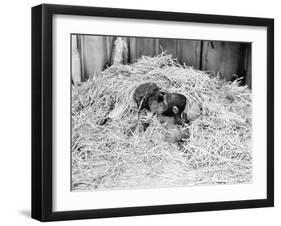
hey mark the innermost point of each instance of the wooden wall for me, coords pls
(91, 54)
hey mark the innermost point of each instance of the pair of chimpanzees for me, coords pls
(172, 108)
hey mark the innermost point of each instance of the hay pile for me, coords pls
(217, 151)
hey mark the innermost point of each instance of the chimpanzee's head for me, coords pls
(173, 105)
(148, 96)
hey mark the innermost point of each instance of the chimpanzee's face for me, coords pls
(169, 105)
(161, 108)
(153, 105)
(156, 102)
(162, 105)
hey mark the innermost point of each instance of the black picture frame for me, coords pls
(42, 86)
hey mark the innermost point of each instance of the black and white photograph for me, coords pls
(145, 112)
(152, 112)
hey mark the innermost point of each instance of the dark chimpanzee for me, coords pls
(176, 109)
(147, 96)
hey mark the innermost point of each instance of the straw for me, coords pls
(115, 156)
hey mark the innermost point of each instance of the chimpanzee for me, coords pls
(148, 96)
(176, 109)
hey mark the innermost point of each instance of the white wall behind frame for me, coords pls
(15, 112)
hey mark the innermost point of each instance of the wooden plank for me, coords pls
(222, 58)
(109, 43)
(94, 53)
(80, 45)
(249, 66)
(168, 45)
(75, 61)
(145, 47)
(132, 47)
(188, 52)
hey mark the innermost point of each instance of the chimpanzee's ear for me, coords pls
(175, 109)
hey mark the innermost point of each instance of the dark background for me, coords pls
(230, 59)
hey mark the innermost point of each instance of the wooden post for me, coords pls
(75, 61)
